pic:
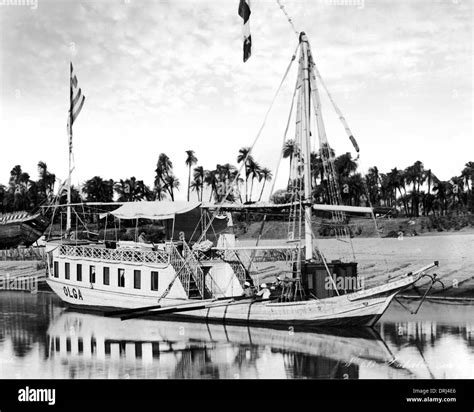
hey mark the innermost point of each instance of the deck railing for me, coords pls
(116, 255)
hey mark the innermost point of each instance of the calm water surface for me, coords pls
(39, 338)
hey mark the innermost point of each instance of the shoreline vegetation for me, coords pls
(413, 192)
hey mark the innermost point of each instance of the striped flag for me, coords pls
(244, 12)
(76, 99)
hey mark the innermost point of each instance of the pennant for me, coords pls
(244, 12)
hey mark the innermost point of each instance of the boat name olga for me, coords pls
(72, 293)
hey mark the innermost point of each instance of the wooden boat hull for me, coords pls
(363, 308)
(22, 232)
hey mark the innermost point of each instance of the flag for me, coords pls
(244, 12)
(76, 102)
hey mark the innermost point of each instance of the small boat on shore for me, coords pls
(21, 229)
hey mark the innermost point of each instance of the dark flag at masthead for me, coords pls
(244, 12)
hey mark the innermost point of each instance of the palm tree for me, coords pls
(164, 176)
(266, 176)
(289, 151)
(430, 178)
(198, 181)
(18, 194)
(396, 181)
(163, 168)
(468, 175)
(159, 191)
(443, 191)
(191, 160)
(75, 196)
(132, 190)
(344, 165)
(97, 189)
(457, 191)
(415, 175)
(356, 189)
(210, 179)
(254, 172)
(372, 179)
(245, 156)
(171, 183)
(46, 181)
(3, 191)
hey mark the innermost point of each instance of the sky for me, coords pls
(168, 76)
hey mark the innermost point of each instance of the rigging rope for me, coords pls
(282, 8)
(284, 138)
(231, 186)
(339, 113)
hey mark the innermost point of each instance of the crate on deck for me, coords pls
(315, 278)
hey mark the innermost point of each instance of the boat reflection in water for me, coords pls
(165, 349)
(41, 339)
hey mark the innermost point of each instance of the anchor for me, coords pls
(434, 279)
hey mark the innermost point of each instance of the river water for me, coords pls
(40, 338)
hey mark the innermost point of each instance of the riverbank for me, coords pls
(380, 260)
(364, 227)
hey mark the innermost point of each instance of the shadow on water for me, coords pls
(41, 339)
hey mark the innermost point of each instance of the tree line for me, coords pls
(413, 191)
(22, 193)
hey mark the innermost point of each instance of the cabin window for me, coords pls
(80, 345)
(92, 274)
(107, 347)
(56, 269)
(137, 275)
(79, 272)
(155, 349)
(154, 280)
(67, 271)
(106, 276)
(121, 278)
(138, 350)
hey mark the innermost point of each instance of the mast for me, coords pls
(76, 101)
(306, 146)
(70, 120)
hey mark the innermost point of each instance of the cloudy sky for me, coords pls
(167, 76)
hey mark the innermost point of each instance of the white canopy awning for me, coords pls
(159, 210)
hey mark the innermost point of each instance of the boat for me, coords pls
(21, 228)
(205, 281)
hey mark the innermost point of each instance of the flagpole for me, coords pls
(68, 221)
